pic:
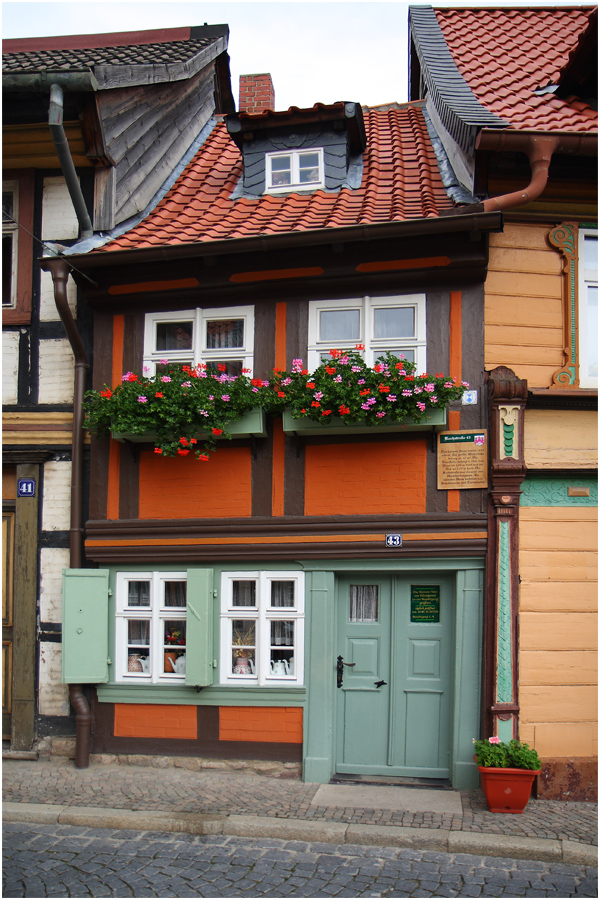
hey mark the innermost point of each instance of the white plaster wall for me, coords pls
(59, 220)
(53, 561)
(56, 509)
(10, 366)
(56, 368)
(53, 697)
(48, 310)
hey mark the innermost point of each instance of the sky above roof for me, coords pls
(315, 52)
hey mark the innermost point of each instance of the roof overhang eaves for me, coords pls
(573, 143)
(450, 224)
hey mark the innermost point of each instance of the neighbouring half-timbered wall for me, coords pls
(524, 304)
(558, 629)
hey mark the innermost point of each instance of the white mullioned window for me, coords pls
(212, 337)
(151, 627)
(294, 170)
(588, 308)
(262, 628)
(394, 323)
(10, 239)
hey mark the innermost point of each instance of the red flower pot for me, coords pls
(507, 790)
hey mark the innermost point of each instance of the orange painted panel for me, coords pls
(147, 720)
(183, 487)
(348, 479)
(272, 724)
(278, 489)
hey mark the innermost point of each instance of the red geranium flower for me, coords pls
(217, 431)
(183, 452)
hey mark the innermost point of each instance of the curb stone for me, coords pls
(478, 843)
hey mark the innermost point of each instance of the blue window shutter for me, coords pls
(199, 639)
(85, 626)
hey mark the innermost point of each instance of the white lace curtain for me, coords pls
(364, 601)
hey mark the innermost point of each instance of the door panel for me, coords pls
(403, 726)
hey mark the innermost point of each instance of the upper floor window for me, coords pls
(10, 234)
(151, 627)
(213, 337)
(588, 308)
(396, 324)
(294, 170)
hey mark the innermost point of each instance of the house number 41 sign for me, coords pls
(26, 487)
(393, 540)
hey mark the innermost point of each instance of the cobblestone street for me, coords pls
(65, 861)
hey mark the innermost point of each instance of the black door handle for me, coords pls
(380, 683)
(340, 669)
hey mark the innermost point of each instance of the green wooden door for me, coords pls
(396, 630)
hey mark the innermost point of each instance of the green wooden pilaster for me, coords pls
(467, 676)
(319, 719)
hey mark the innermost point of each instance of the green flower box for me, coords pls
(332, 425)
(252, 424)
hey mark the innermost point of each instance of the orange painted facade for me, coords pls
(369, 478)
(277, 724)
(147, 720)
(184, 488)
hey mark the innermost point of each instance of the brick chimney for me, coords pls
(256, 93)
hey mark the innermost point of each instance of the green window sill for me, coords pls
(252, 424)
(435, 419)
(214, 695)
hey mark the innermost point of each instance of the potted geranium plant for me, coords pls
(507, 772)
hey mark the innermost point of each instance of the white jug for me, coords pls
(180, 665)
(280, 667)
(145, 664)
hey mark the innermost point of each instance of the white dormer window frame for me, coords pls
(294, 170)
(588, 308)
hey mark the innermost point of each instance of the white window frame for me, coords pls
(296, 184)
(12, 229)
(199, 353)
(156, 613)
(374, 347)
(262, 614)
(587, 278)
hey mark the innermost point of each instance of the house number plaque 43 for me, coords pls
(393, 540)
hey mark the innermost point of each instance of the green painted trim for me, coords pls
(504, 664)
(439, 564)
(554, 491)
(182, 695)
(509, 438)
(435, 418)
(252, 424)
(505, 730)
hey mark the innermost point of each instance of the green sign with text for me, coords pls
(424, 603)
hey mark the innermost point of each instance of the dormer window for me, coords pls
(294, 170)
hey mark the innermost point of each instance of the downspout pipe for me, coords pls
(59, 269)
(539, 149)
(55, 121)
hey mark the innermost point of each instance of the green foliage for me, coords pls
(186, 409)
(494, 753)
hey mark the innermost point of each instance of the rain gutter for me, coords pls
(55, 121)
(539, 147)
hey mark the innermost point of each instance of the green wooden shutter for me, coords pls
(199, 640)
(85, 626)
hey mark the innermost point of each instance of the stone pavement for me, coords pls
(175, 799)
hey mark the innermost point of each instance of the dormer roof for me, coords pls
(400, 182)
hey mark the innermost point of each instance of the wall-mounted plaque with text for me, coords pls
(462, 461)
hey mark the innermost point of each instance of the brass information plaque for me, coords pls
(424, 603)
(462, 460)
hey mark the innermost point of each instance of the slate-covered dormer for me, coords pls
(299, 149)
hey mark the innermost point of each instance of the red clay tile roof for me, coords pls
(505, 54)
(400, 181)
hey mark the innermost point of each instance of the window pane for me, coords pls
(394, 322)
(282, 634)
(175, 593)
(281, 660)
(592, 332)
(402, 352)
(282, 593)
(7, 205)
(280, 163)
(226, 333)
(364, 603)
(138, 593)
(243, 647)
(339, 325)
(174, 646)
(225, 367)
(174, 335)
(590, 252)
(174, 632)
(138, 631)
(244, 593)
(7, 269)
(309, 167)
(309, 160)
(281, 170)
